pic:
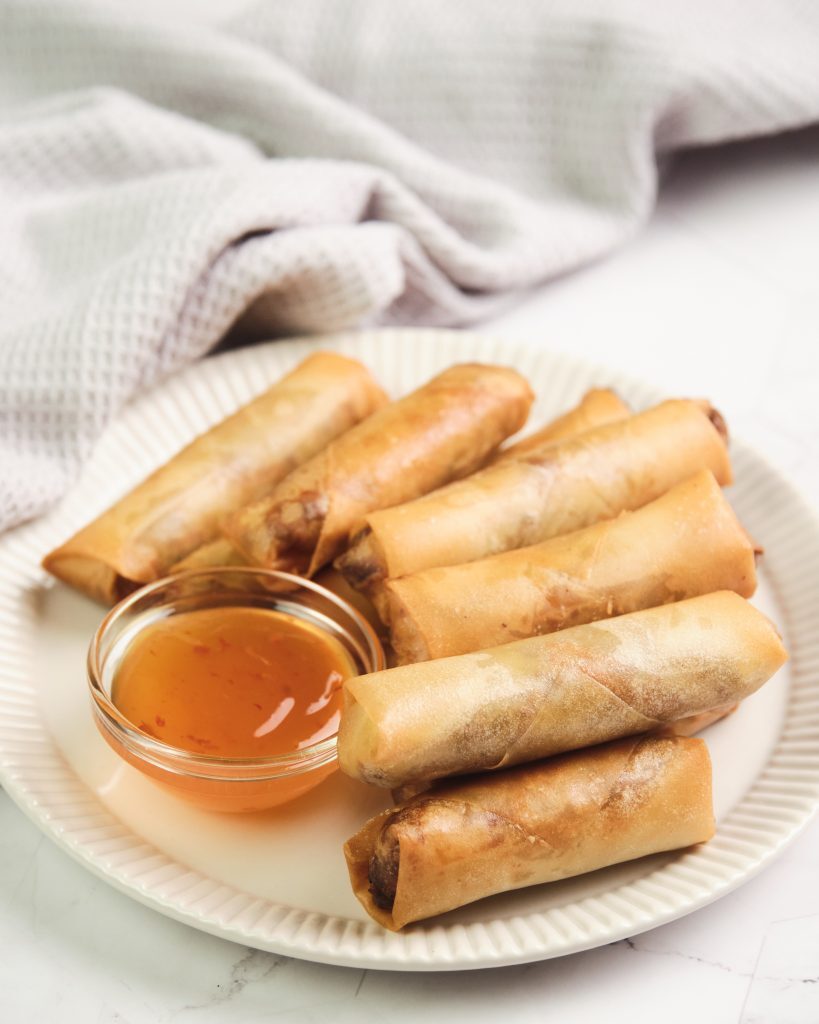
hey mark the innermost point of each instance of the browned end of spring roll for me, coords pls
(545, 695)
(596, 407)
(178, 508)
(560, 488)
(442, 431)
(685, 543)
(531, 825)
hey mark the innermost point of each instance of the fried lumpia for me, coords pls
(690, 726)
(560, 488)
(212, 555)
(548, 694)
(596, 407)
(685, 543)
(440, 432)
(530, 825)
(178, 508)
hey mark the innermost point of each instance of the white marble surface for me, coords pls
(717, 297)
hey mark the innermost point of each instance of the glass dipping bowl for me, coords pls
(223, 783)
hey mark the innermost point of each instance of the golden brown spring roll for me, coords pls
(210, 556)
(526, 826)
(685, 543)
(178, 508)
(564, 487)
(548, 694)
(442, 431)
(596, 407)
(682, 727)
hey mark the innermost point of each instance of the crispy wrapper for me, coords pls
(596, 407)
(696, 723)
(178, 508)
(444, 430)
(682, 727)
(545, 695)
(560, 488)
(685, 543)
(526, 826)
(212, 555)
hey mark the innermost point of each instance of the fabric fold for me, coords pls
(320, 166)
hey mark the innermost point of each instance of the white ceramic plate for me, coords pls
(277, 880)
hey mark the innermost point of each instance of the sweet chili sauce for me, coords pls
(233, 682)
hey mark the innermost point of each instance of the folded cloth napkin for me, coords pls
(320, 165)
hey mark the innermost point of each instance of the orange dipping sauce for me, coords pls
(223, 685)
(233, 682)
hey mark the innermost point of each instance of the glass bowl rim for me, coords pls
(179, 760)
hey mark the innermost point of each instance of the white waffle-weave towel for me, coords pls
(324, 164)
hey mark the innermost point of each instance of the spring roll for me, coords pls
(596, 407)
(178, 508)
(215, 553)
(690, 726)
(541, 696)
(442, 431)
(685, 543)
(557, 489)
(600, 405)
(526, 826)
